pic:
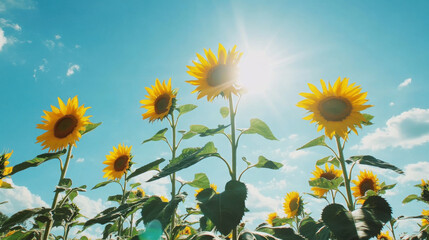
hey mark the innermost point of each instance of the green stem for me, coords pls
(346, 178)
(131, 225)
(124, 191)
(234, 150)
(173, 176)
(392, 229)
(54, 202)
(66, 231)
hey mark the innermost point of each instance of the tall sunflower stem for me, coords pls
(234, 150)
(346, 178)
(124, 191)
(54, 202)
(173, 125)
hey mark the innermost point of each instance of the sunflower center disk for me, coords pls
(222, 74)
(161, 103)
(335, 109)
(366, 185)
(328, 175)
(121, 163)
(64, 126)
(293, 205)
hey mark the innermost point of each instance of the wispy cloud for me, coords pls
(19, 198)
(72, 69)
(7, 23)
(80, 160)
(391, 104)
(3, 39)
(158, 187)
(414, 172)
(405, 83)
(17, 4)
(407, 130)
(53, 43)
(57, 36)
(41, 68)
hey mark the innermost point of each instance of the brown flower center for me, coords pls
(366, 185)
(222, 74)
(335, 108)
(293, 205)
(161, 103)
(121, 163)
(64, 126)
(328, 175)
(139, 194)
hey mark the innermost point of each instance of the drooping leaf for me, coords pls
(372, 161)
(224, 111)
(148, 167)
(368, 118)
(410, 198)
(254, 235)
(323, 161)
(313, 230)
(158, 136)
(39, 159)
(102, 184)
(189, 157)
(135, 185)
(265, 163)
(22, 216)
(155, 208)
(211, 132)
(325, 183)
(340, 222)
(189, 135)
(259, 127)
(89, 127)
(185, 108)
(284, 233)
(320, 141)
(200, 181)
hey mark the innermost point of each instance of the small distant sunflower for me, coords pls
(424, 220)
(425, 190)
(216, 76)
(10, 233)
(159, 102)
(63, 125)
(118, 162)
(384, 236)
(366, 181)
(139, 193)
(186, 231)
(329, 173)
(212, 186)
(4, 161)
(293, 204)
(337, 108)
(164, 199)
(271, 218)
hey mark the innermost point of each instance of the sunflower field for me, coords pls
(208, 173)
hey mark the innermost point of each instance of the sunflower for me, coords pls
(425, 221)
(4, 161)
(212, 186)
(271, 218)
(10, 233)
(366, 181)
(384, 236)
(293, 204)
(164, 199)
(63, 125)
(337, 108)
(139, 193)
(159, 102)
(328, 173)
(186, 231)
(425, 190)
(216, 76)
(118, 162)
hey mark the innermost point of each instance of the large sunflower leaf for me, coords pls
(39, 159)
(200, 181)
(211, 132)
(22, 216)
(150, 166)
(325, 183)
(254, 235)
(155, 208)
(313, 230)
(340, 222)
(158, 136)
(372, 161)
(283, 232)
(185, 108)
(189, 157)
(259, 127)
(320, 141)
(102, 184)
(89, 127)
(265, 163)
(410, 198)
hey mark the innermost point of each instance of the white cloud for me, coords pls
(298, 154)
(414, 172)
(72, 69)
(405, 83)
(19, 198)
(57, 36)
(41, 68)
(3, 39)
(77, 46)
(391, 104)
(157, 187)
(257, 200)
(49, 44)
(19, 4)
(407, 130)
(7, 23)
(293, 136)
(88, 207)
(80, 160)
(273, 184)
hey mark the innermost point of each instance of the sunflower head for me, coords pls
(335, 108)
(118, 162)
(139, 193)
(293, 205)
(164, 199)
(63, 125)
(4, 161)
(212, 186)
(425, 190)
(329, 173)
(160, 101)
(425, 221)
(216, 76)
(185, 231)
(384, 236)
(366, 181)
(271, 218)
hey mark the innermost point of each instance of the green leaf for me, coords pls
(247, 162)
(224, 111)
(200, 181)
(372, 161)
(135, 185)
(254, 235)
(188, 135)
(335, 162)
(39, 159)
(410, 198)
(115, 198)
(325, 183)
(22, 216)
(320, 141)
(211, 132)
(198, 128)
(368, 118)
(148, 167)
(155, 208)
(323, 161)
(259, 127)
(20, 235)
(102, 184)
(65, 182)
(186, 108)
(340, 222)
(189, 157)
(265, 163)
(158, 136)
(313, 230)
(284, 233)
(89, 127)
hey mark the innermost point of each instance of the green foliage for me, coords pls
(281, 232)
(65, 182)
(211, 132)
(313, 230)
(325, 183)
(156, 209)
(320, 141)
(254, 235)
(148, 167)
(329, 159)
(224, 111)
(203, 131)
(102, 184)
(412, 197)
(200, 181)
(22, 216)
(158, 136)
(265, 163)
(368, 118)
(21, 235)
(39, 159)
(189, 157)
(185, 108)
(372, 161)
(259, 127)
(226, 209)
(89, 127)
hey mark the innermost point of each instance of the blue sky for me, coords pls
(106, 52)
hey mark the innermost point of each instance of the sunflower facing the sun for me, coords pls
(329, 173)
(118, 162)
(271, 218)
(216, 75)
(366, 181)
(63, 125)
(293, 205)
(337, 108)
(159, 102)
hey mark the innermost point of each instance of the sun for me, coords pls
(256, 72)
